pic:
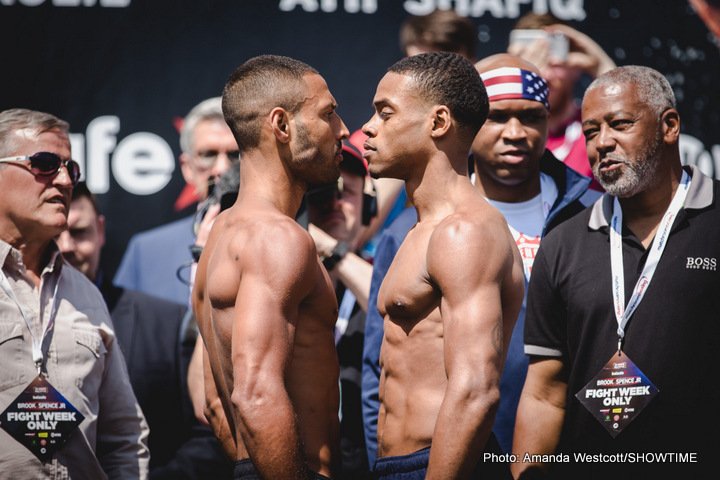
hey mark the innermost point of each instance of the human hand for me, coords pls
(536, 52)
(585, 54)
(206, 225)
(324, 243)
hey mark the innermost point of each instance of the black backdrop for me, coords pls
(123, 71)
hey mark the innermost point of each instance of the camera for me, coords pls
(223, 190)
(559, 45)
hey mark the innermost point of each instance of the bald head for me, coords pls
(508, 148)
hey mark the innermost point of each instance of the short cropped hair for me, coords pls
(441, 30)
(651, 86)
(449, 79)
(207, 110)
(81, 190)
(255, 88)
(21, 118)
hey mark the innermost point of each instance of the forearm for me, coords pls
(356, 273)
(352, 270)
(270, 434)
(215, 415)
(537, 431)
(196, 383)
(462, 429)
(213, 410)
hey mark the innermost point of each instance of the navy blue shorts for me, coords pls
(245, 470)
(414, 465)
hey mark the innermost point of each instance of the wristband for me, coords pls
(337, 254)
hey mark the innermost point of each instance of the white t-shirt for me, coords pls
(526, 219)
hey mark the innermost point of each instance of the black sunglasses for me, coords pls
(47, 164)
(207, 158)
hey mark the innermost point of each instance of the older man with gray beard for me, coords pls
(610, 379)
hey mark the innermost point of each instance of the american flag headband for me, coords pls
(512, 82)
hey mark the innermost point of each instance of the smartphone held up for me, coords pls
(558, 43)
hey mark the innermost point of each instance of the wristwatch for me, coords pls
(337, 254)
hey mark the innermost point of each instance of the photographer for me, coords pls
(152, 258)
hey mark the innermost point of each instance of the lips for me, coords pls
(59, 199)
(515, 156)
(610, 163)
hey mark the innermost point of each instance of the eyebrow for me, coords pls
(330, 105)
(382, 103)
(610, 116)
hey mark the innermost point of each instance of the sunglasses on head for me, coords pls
(46, 164)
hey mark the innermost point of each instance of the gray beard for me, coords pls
(635, 177)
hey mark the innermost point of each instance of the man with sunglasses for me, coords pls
(67, 406)
(153, 258)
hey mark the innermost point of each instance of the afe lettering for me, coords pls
(701, 263)
(142, 163)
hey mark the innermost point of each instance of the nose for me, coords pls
(514, 130)
(222, 164)
(369, 129)
(343, 132)
(62, 177)
(604, 141)
(65, 242)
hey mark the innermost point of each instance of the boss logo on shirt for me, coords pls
(701, 263)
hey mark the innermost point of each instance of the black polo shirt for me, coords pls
(673, 336)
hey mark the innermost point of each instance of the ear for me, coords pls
(280, 124)
(670, 124)
(441, 122)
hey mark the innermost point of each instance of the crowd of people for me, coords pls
(455, 290)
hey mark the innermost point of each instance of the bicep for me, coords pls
(470, 280)
(266, 310)
(546, 381)
(473, 328)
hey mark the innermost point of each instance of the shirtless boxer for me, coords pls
(453, 292)
(264, 303)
